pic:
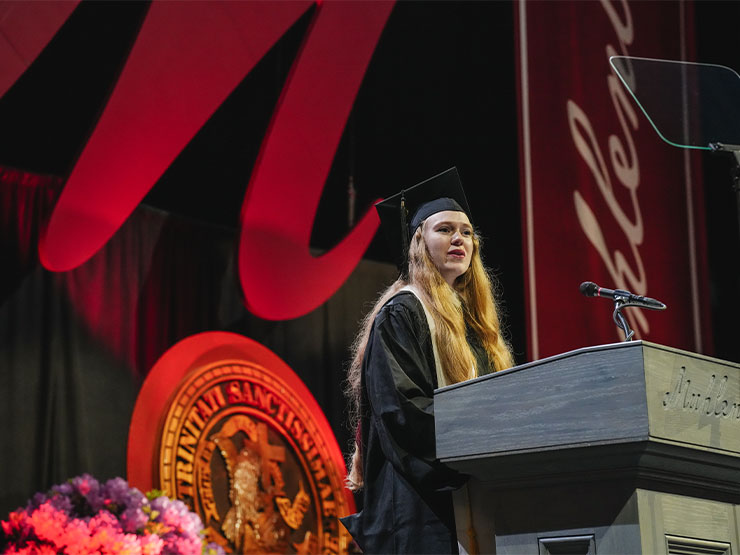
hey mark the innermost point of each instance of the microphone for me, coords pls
(590, 289)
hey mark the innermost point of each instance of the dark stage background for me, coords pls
(76, 346)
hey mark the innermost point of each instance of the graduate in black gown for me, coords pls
(436, 325)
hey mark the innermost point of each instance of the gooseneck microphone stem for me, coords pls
(621, 321)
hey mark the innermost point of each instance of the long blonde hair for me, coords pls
(472, 299)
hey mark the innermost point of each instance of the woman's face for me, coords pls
(449, 239)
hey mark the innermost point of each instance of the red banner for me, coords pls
(604, 199)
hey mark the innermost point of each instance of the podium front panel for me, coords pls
(693, 400)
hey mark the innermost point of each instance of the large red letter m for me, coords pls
(188, 57)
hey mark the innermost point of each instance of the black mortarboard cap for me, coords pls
(403, 212)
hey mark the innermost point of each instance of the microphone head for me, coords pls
(589, 288)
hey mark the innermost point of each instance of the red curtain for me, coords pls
(604, 199)
(75, 346)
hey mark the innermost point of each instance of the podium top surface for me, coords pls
(623, 393)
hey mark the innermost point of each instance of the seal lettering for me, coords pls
(243, 451)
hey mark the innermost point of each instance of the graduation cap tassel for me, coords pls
(404, 230)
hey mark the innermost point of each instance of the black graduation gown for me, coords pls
(407, 493)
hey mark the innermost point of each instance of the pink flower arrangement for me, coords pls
(84, 516)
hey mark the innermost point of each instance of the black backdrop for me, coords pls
(75, 347)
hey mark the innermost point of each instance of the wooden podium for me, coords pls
(623, 448)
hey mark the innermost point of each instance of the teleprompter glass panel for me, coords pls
(690, 105)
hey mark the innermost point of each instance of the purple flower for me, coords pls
(133, 519)
(213, 548)
(62, 503)
(65, 489)
(84, 484)
(89, 489)
(117, 491)
(160, 503)
(36, 501)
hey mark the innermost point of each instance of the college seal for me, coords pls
(249, 454)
